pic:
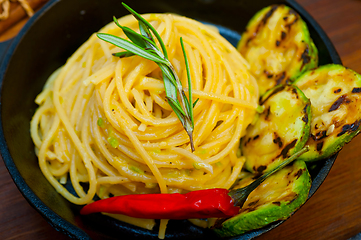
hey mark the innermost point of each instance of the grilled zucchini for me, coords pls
(275, 199)
(279, 131)
(335, 94)
(278, 46)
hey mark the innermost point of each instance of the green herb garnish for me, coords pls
(113, 142)
(100, 122)
(136, 169)
(144, 45)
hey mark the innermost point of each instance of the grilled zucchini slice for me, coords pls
(280, 130)
(278, 46)
(275, 199)
(335, 94)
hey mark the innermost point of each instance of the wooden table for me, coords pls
(334, 212)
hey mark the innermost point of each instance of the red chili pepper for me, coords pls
(197, 204)
(209, 203)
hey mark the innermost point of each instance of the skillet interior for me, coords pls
(45, 43)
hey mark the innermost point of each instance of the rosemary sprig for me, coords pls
(144, 45)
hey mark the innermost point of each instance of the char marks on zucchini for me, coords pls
(334, 92)
(278, 46)
(290, 188)
(280, 130)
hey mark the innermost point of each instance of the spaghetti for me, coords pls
(104, 122)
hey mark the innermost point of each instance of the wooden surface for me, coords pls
(334, 212)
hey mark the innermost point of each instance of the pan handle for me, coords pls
(4, 46)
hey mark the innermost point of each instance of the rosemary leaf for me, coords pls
(176, 107)
(131, 47)
(134, 37)
(131, 34)
(144, 31)
(123, 54)
(190, 98)
(189, 107)
(142, 40)
(170, 77)
(195, 102)
(149, 26)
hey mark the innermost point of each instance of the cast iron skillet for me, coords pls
(45, 43)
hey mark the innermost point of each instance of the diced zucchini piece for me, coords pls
(279, 131)
(275, 199)
(335, 94)
(278, 46)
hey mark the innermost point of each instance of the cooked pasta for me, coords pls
(103, 122)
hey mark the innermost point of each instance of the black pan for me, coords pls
(45, 43)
